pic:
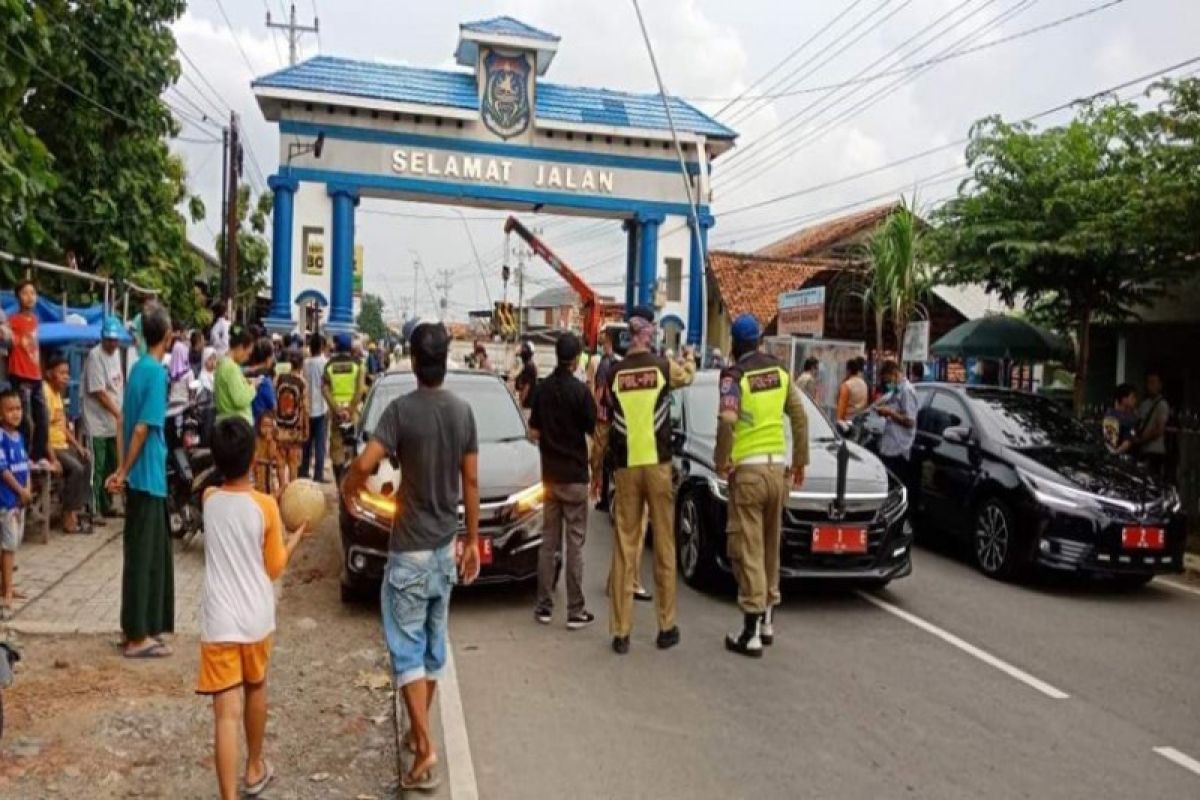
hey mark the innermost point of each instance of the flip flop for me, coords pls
(154, 650)
(254, 790)
(428, 781)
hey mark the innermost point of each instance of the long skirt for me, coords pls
(148, 580)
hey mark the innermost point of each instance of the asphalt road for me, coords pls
(947, 686)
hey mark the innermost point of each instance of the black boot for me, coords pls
(748, 642)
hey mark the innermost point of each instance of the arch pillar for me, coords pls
(283, 190)
(699, 258)
(341, 276)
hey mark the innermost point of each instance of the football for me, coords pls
(302, 501)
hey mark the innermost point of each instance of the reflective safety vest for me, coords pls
(641, 413)
(343, 372)
(764, 385)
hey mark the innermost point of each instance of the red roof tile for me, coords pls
(751, 284)
(811, 241)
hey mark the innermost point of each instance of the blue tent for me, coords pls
(48, 311)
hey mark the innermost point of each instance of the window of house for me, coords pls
(674, 280)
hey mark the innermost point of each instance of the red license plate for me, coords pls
(189, 440)
(839, 539)
(1136, 537)
(485, 549)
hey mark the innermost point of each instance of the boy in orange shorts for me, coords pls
(244, 551)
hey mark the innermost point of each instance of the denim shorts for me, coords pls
(415, 600)
(12, 528)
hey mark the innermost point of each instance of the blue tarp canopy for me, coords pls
(54, 332)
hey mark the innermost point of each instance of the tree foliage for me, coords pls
(370, 317)
(83, 120)
(254, 252)
(1086, 222)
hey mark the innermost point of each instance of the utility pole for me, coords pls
(293, 32)
(520, 293)
(447, 281)
(234, 172)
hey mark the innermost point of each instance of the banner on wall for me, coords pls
(916, 341)
(314, 251)
(357, 282)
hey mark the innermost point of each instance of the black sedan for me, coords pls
(861, 535)
(510, 488)
(1028, 484)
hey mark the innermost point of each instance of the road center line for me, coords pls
(1177, 586)
(968, 648)
(1182, 759)
(454, 731)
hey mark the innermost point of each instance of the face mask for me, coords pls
(890, 386)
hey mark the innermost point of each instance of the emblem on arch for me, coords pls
(505, 104)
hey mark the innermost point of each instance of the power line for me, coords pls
(219, 104)
(70, 88)
(958, 142)
(913, 67)
(233, 33)
(783, 150)
(274, 40)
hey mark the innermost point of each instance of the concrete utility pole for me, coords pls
(293, 32)
(445, 284)
(520, 293)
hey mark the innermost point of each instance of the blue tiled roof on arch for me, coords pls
(507, 26)
(454, 89)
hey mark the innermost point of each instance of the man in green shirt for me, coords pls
(232, 393)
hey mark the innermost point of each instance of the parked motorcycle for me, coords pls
(8, 657)
(190, 467)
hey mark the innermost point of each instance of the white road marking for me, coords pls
(454, 730)
(1177, 586)
(1182, 759)
(968, 648)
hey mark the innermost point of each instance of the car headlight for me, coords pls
(528, 500)
(378, 508)
(1172, 500)
(896, 503)
(1061, 495)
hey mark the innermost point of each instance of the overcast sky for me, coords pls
(706, 49)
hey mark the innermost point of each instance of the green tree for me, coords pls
(26, 177)
(370, 317)
(94, 98)
(1086, 222)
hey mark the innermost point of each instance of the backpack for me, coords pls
(289, 402)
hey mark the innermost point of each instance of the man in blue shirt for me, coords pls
(899, 409)
(147, 581)
(14, 493)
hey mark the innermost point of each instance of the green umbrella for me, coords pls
(999, 337)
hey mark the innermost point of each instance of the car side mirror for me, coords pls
(677, 441)
(958, 434)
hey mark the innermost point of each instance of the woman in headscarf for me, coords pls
(208, 368)
(179, 370)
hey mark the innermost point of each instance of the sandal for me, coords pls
(255, 789)
(152, 650)
(428, 781)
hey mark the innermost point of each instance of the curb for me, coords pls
(1191, 565)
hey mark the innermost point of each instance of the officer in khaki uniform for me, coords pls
(756, 394)
(344, 386)
(640, 440)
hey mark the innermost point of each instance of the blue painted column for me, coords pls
(648, 267)
(631, 264)
(341, 301)
(283, 188)
(696, 271)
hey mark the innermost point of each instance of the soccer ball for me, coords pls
(302, 501)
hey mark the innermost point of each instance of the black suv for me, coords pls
(1028, 484)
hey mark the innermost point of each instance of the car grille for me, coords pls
(797, 517)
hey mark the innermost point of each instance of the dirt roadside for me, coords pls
(83, 722)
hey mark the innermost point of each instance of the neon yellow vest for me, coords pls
(343, 379)
(637, 392)
(759, 429)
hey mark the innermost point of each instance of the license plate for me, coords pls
(839, 539)
(189, 440)
(1136, 537)
(485, 549)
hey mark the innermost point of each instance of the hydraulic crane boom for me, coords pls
(592, 316)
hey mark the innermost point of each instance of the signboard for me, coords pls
(802, 313)
(314, 251)
(356, 282)
(916, 342)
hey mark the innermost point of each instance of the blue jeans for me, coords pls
(415, 601)
(316, 442)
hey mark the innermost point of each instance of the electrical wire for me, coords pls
(233, 33)
(271, 33)
(912, 67)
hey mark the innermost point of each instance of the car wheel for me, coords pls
(994, 541)
(693, 543)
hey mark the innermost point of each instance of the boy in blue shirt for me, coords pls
(14, 494)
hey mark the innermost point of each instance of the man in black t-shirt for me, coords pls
(562, 416)
(527, 378)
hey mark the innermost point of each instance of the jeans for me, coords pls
(316, 442)
(75, 473)
(415, 602)
(35, 420)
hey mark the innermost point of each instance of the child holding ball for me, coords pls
(244, 551)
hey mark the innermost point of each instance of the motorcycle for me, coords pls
(190, 467)
(8, 657)
(349, 443)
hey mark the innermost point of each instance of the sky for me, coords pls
(800, 135)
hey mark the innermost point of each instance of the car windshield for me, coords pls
(702, 413)
(1027, 421)
(496, 416)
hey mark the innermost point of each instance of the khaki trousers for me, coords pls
(639, 488)
(757, 493)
